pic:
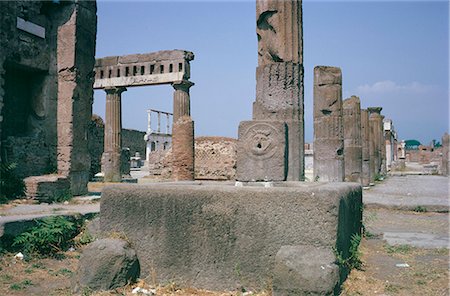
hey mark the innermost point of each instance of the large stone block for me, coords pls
(221, 236)
(305, 270)
(262, 151)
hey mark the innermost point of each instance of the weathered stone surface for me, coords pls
(280, 31)
(305, 270)
(375, 137)
(44, 82)
(351, 108)
(279, 79)
(215, 158)
(181, 99)
(365, 141)
(162, 67)
(183, 149)
(75, 62)
(262, 151)
(328, 125)
(47, 188)
(202, 234)
(106, 264)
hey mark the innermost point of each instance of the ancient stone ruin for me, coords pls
(365, 142)
(115, 74)
(376, 139)
(46, 76)
(200, 233)
(328, 127)
(270, 147)
(352, 139)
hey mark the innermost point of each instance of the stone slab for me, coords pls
(220, 236)
(262, 151)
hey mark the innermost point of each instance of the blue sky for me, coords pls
(392, 54)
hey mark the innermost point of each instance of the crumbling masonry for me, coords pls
(46, 76)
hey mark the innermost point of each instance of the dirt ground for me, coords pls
(427, 274)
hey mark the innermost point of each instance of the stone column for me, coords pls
(75, 63)
(352, 139)
(383, 156)
(328, 128)
(182, 133)
(445, 165)
(365, 137)
(375, 127)
(278, 109)
(113, 139)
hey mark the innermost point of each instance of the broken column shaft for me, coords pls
(352, 139)
(375, 136)
(365, 140)
(113, 139)
(182, 133)
(328, 128)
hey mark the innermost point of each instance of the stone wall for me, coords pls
(215, 159)
(132, 139)
(46, 77)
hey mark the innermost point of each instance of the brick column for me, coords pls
(182, 133)
(352, 139)
(328, 128)
(113, 138)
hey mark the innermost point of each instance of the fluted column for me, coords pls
(182, 133)
(352, 139)
(113, 138)
(181, 99)
(365, 137)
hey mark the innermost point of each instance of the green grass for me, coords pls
(397, 249)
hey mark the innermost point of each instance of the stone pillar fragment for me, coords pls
(328, 128)
(111, 158)
(375, 136)
(365, 141)
(75, 64)
(445, 165)
(383, 155)
(352, 139)
(279, 86)
(182, 134)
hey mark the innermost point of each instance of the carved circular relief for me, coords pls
(260, 141)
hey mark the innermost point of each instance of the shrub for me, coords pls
(10, 184)
(49, 236)
(354, 258)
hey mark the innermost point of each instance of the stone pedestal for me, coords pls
(352, 139)
(202, 234)
(365, 141)
(375, 136)
(111, 158)
(279, 89)
(182, 134)
(262, 151)
(328, 128)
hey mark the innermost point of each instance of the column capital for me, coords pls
(373, 110)
(182, 85)
(115, 90)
